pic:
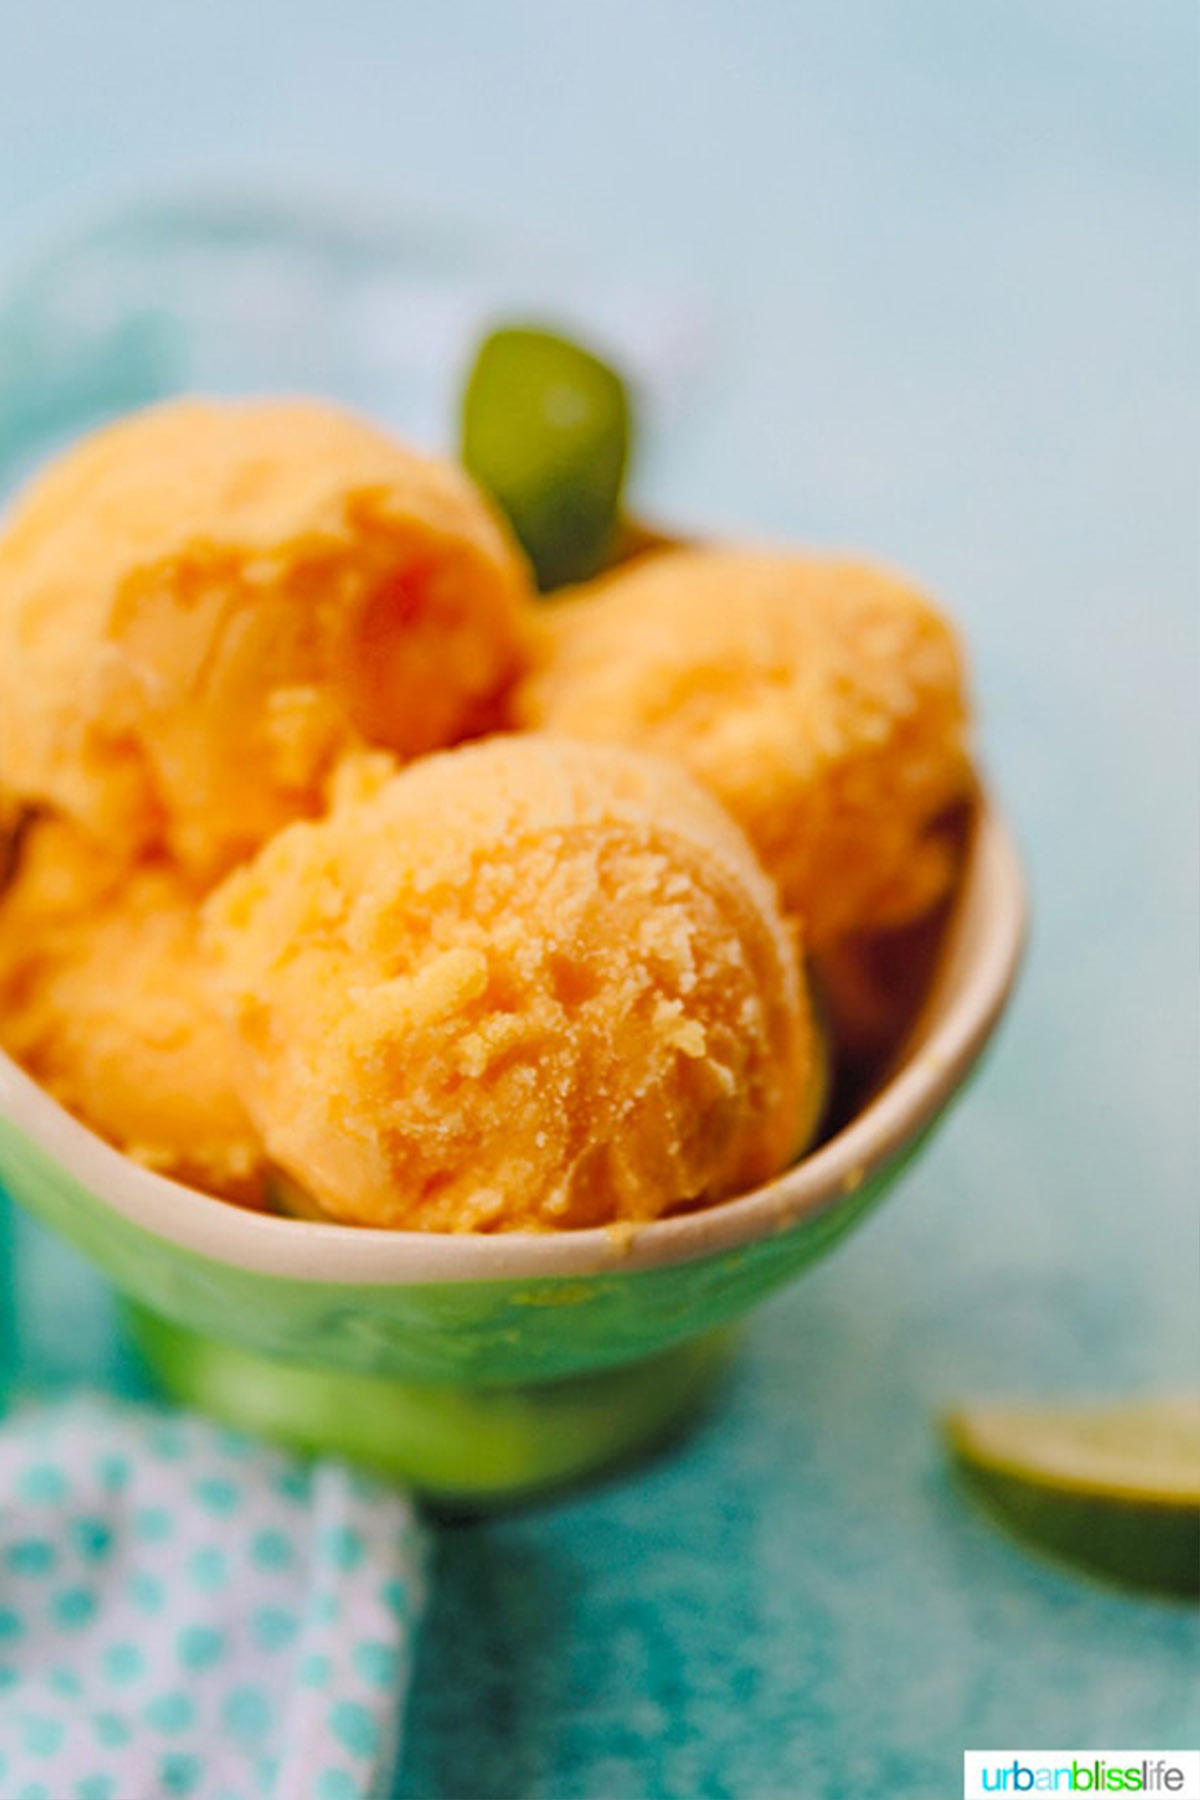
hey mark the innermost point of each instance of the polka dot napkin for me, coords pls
(185, 1613)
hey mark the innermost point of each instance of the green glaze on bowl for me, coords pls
(466, 1446)
(463, 1333)
(297, 1328)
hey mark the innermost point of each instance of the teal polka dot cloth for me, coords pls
(183, 1613)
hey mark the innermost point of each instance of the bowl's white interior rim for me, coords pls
(987, 935)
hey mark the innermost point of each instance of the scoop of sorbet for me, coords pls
(104, 998)
(823, 702)
(524, 985)
(203, 606)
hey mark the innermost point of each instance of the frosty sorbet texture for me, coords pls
(204, 606)
(105, 999)
(526, 984)
(823, 702)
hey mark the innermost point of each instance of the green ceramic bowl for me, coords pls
(482, 1367)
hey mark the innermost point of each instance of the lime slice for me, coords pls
(546, 431)
(1113, 1489)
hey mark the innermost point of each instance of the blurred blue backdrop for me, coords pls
(943, 264)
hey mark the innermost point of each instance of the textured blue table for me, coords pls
(950, 256)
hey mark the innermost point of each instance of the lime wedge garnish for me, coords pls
(1115, 1489)
(546, 431)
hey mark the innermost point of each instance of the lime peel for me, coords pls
(546, 431)
(1115, 1489)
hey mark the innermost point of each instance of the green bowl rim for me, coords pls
(985, 939)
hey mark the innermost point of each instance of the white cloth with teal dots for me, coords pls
(185, 1613)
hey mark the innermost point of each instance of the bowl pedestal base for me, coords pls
(465, 1447)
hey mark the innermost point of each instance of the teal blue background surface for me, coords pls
(944, 265)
